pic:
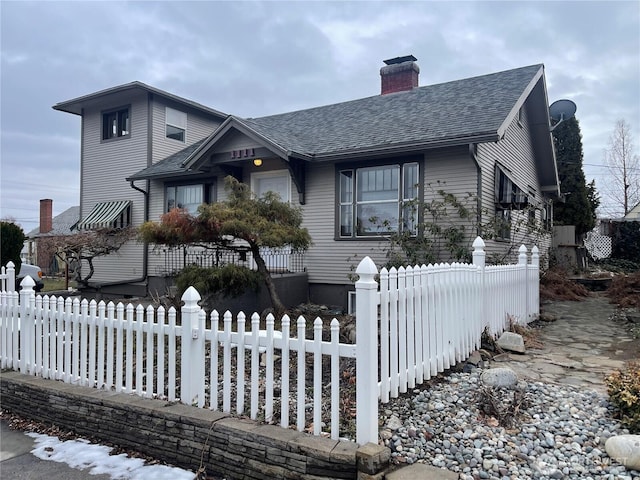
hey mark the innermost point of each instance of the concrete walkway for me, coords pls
(580, 347)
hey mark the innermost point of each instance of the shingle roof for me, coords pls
(456, 111)
(169, 165)
(61, 224)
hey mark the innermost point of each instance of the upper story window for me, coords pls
(115, 123)
(176, 122)
(378, 200)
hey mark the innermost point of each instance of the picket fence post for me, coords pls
(10, 272)
(366, 353)
(479, 260)
(523, 286)
(27, 304)
(534, 286)
(192, 351)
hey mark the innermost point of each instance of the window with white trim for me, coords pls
(378, 200)
(276, 181)
(190, 196)
(176, 124)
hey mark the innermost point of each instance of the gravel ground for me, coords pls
(559, 434)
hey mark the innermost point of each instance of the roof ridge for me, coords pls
(419, 88)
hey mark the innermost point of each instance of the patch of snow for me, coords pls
(81, 454)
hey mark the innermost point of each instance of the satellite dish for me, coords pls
(561, 110)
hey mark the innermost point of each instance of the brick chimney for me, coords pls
(46, 215)
(399, 74)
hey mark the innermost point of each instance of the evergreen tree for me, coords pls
(12, 239)
(580, 200)
(255, 222)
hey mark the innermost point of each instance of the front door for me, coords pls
(277, 181)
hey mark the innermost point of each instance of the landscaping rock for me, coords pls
(512, 342)
(625, 449)
(499, 377)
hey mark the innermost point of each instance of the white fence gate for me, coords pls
(415, 323)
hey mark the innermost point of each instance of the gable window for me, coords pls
(190, 196)
(115, 124)
(176, 123)
(378, 200)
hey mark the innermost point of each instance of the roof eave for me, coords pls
(74, 105)
(163, 175)
(520, 102)
(238, 124)
(487, 137)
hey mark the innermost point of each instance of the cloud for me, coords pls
(260, 58)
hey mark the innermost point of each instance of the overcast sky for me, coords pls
(253, 59)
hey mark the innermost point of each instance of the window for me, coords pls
(276, 181)
(112, 214)
(190, 197)
(115, 124)
(378, 200)
(547, 215)
(176, 122)
(503, 224)
(508, 194)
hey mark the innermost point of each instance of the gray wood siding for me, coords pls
(328, 260)
(234, 140)
(453, 172)
(104, 167)
(332, 261)
(515, 153)
(199, 126)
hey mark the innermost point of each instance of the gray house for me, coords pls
(344, 164)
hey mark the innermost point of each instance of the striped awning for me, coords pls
(107, 215)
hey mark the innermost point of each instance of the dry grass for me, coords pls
(556, 285)
(625, 290)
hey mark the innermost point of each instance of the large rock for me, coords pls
(499, 377)
(511, 341)
(625, 449)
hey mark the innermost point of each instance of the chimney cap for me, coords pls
(406, 58)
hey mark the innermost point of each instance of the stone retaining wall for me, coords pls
(182, 435)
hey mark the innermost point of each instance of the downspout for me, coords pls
(145, 248)
(473, 147)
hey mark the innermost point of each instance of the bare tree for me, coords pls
(624, 165)
(84, 246)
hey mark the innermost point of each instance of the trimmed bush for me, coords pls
(623, 387)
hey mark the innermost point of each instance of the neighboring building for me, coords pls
(147, 151)
(36, 248)
(633, 214)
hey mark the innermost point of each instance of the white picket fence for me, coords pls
(8, 278)
(415, 323)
